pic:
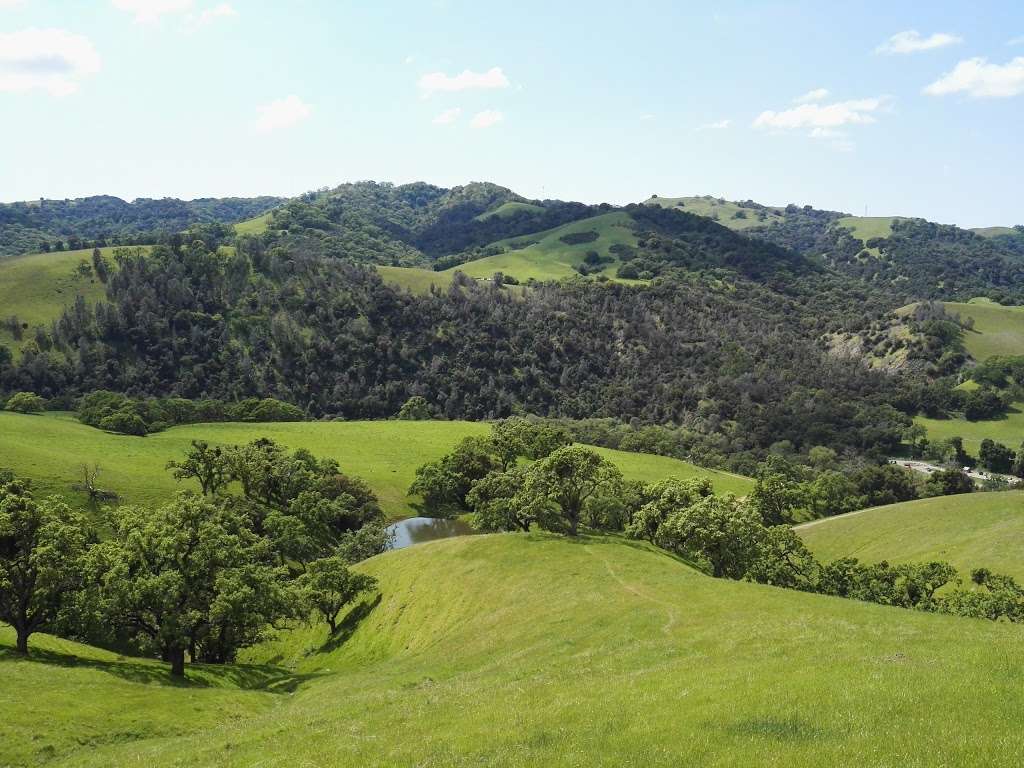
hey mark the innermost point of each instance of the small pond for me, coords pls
(416, 530)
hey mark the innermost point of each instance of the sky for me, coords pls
(887, 108)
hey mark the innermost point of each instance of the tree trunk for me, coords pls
(574, 524)
(177, 659)
(22, 645)
(332, 622)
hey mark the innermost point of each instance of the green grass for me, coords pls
(998, 329)
(723, 212)
(993, 231)
(507, 209)
(415, 280)
(38, 286)
(865, 228)
(532, 650)
(551, 259)
(971, 531)
(1008, 430)
(255, 226)
(51, 448)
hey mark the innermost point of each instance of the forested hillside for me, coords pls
(46, 225)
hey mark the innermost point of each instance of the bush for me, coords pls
(25, 402)
(125, 422)
(578, 238)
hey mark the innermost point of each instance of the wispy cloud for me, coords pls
(51, 60)
(718, 125)
(5, 4)
(149, 11)
(282, 113)
(818, 94)
(486, 119)
(1016, 41)
(835, 115)
(646, 117)
(208, 16)
(447, 117)
(912, 41)
(977, 78)
(434, 82)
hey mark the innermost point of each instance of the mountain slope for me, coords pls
(512, 650)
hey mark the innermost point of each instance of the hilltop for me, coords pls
(533, 650)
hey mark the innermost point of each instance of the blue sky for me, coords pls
(908, 108)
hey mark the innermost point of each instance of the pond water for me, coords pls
(416, 530)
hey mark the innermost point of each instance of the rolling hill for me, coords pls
(515, 650)
(51, 449)
(969, 531)
(998, 329)
(725, 212)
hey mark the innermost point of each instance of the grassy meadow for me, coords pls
(508, 209)
(51, 448)
(534, 650)
(725, 213)
(547, 257)
(998, 329)
(414, 279)
(36, 287)
(254, 226)
(1008, 430)
(865, 228)
(970, 531)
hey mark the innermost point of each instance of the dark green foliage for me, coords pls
(995, 456)
(25, 402)
(578, 238)
(948, 482)
(982, 403)
(328, 585)
(416, 408)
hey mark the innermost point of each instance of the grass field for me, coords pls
(532, 650)
(507, 209)
(993, 231)
(865, 228)
(255, 226)
(723, 212)
(998, 329)
(51, 448)
(550, 258)
(38, 286)
(415, 280)
(972, 531)
(1009, 430)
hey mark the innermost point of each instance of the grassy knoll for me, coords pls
(254, 226)
(993, 231)
(865, 228)
(1008, 430)
(38, 286)
(973, 531)
(507, 209)
(532, 650)
(51, 448)
(998, 329)
(545, 256)
(724, 212)
(414, 279)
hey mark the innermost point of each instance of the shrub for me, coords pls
(26, 402)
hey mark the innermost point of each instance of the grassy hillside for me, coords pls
(726, 213)
(545, 256)
(1008, 430)
(37, 286)
(254, 226)
(978, 530)
(865, 228)
(998, 330)
(51, 449)
(509, 208)
(993, 231)
(414, 279)
(531, 650)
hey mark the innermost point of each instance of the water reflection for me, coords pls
(416, 530)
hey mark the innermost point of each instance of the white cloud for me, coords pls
(210, 15)
(51, 60)
(448, 117)
(818, 94)
(439, 81)
(840, 113)
(982, 80)
(486, 119)
(912, 41)
(149, 11)
(718, 125)
(282, 113)
(5, 4)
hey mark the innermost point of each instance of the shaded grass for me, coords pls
(531, 650)
(969, 531)
(507, 209)
(51, 448)
(1008, 430)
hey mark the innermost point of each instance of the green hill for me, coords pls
(51, 449)
(546, 256)
(865, 228)
(533, 650)
(998, 329)
(255, 226)
(971, 531)
(1008, 430)
(415, 279)
(35, 288)
(993, 231)
(509, 208)
(725, 212)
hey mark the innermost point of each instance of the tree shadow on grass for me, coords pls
(243, 676)
(351, 622)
